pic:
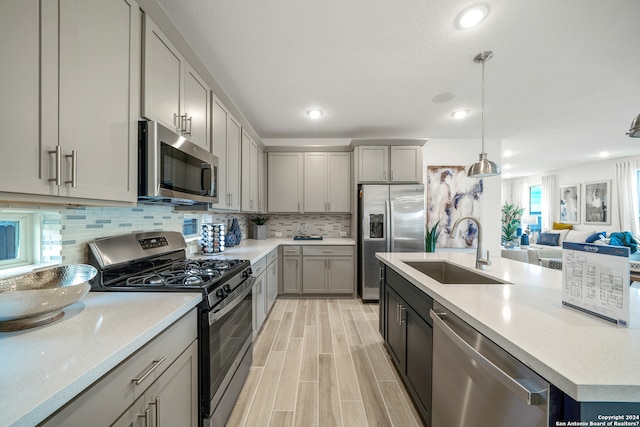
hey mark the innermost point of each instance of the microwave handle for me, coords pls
(206, 179)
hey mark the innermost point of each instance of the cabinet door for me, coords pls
(219, 149)
(406, 164)
(395, 328)
(138, 415)
(163, 68)
(341, 279)
(196, 108)
(98, 98)
(339, 182)
(20, 167)
(292, 274)
(234, 136)
(373, 164)
(314, 274)
(272, 284)
(261, 180)
(173, 398)
(259, 303)
(419, 348)
(285, 182)
(315, 182)
(249, 174)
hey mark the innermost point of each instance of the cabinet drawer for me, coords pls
(117, 390)
(259, 267)
(327, 250)
(290, 250)
(272, 256)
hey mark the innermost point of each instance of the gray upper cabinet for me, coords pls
(285, 181)
(390, 164)
(327, 182)
(226, 146)
(250, 174)
(72, 98)
(173, 93)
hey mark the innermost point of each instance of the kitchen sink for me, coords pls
(451, 274)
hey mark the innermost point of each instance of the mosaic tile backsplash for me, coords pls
(66, 231)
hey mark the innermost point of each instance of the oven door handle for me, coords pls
(214, 316)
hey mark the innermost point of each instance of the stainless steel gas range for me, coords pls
(157, 262)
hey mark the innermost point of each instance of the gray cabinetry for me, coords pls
(285, 182)
(159, 381)
(327, 269)
(271, 279)
(291, 277)
(409, 336)
(390, 164)
(226, 146)
(259, 300)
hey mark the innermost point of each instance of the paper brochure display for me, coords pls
(595, 279)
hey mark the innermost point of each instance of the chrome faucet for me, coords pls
(480, 262)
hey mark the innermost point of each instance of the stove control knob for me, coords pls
(220, 293)
(227, 289)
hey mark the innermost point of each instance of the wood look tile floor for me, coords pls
(322, 362)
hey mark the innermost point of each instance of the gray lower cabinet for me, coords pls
(291, 277)
(272, 279)
(259, 300)
(409, 338)
(327, 269)
(155, 386)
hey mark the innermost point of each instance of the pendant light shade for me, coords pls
(634, 130)
(483, 167)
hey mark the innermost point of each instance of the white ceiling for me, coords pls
(563, 85)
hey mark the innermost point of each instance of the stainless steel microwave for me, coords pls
(172, 169)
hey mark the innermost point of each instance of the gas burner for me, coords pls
(146, 280)
(184, 279)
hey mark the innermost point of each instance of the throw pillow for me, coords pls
(549, 239)
(595, 237)
(578, 236)
(562, 226)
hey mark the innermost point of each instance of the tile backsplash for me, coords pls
(66, 231)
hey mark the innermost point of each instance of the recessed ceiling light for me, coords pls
(506, 166)
(460, 114)
(314, 114)
(604, 154)
(472, 16)
(507, 154)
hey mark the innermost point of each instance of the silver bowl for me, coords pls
(37, 298)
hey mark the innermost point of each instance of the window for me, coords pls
(535, 206)
(16, 245)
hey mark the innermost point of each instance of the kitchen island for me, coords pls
(45, 367)
(589, 359)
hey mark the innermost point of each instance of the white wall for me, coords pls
(464, 152)
(593, 172)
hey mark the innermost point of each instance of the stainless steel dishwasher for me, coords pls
(476, 383)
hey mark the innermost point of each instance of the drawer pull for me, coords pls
(327, 252)
(157, 410)
(146, 417)
(153, 367)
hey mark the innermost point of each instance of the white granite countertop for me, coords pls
(45, 367)
(254, 250)
(586, 357)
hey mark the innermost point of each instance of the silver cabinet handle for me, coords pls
(190, 126)
(153, 367)
(397, 312)
(176, 120)
(391, 175)
(530, 397)
(157, 410)
(401, 320)
(58, 159)
(145, 416)
(74, 168)
(327, 251)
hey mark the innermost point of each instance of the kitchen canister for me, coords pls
(213, 238)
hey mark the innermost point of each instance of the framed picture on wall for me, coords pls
(597, 198)
(570, 204)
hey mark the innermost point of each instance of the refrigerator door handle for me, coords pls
(387, 213)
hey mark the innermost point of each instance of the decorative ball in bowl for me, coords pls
(37, 298)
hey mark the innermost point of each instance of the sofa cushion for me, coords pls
(595, 237)
(548, 239)
(562, 226)
(576, 236)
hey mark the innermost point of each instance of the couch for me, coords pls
(547, 250)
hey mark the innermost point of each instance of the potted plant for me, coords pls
(259, 229)
(511, 215)
(431, 237)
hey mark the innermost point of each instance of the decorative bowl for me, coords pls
(37, 298)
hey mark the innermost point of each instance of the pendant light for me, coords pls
(634, 130)
(483, 167)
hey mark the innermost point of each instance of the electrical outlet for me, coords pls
(278, 233)
(343, 234)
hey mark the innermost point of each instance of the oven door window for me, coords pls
(226, 338)
(184, 173)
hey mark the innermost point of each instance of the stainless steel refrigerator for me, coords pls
(391, 219)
